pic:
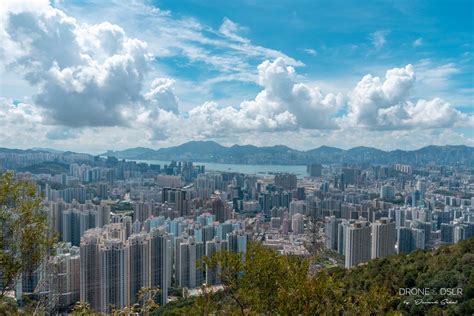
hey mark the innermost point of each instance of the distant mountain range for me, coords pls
(209, 151)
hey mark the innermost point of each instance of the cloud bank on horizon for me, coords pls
(92, 86)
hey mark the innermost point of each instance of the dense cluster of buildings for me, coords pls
(128, 226)
(404, 230)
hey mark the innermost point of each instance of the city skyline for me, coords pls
(288, 157)
(86, 77)
(129, 226)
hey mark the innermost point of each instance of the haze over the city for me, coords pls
(88, 77)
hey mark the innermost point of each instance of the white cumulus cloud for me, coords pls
(162, 96)
(377, 103)
(87, 75)
(19, 121)
(283, 104)
(92, 79)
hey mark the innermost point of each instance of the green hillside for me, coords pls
(450, 267)
(269, 284)
(46, 168)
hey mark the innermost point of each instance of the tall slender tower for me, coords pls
(138, 264)
(189, 253)
(357, 244)
(160, 263)
(90, 268)
(113, 265)
(212, 247)
(384, 236)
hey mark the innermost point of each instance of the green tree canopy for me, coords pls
(262, 282)
(24, 237)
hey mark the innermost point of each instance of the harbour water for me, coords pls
(299, 170)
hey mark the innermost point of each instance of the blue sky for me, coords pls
(260, 72)
(334, 38)
(340, 34)
(331, 27)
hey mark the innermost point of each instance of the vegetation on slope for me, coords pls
(266, 283)
(446, 268)
(24, 239)
(47, 167)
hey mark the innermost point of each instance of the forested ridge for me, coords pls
(266, 283)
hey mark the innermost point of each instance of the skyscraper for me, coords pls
(297, 223)
(315, 170)
(351, 175)
(384, 237)
(90, 269)
(341, 236)
(189, 253)
(387, 192)
(220, 210)
(71, 226)
(265, 201)
(113, 268)
(138, 265)
(286, 180)
(64, 278)
(237, 241)
(419, 238)
(331, 230)
(405, 240)
(160, 262)
(212, 247)
(358, 239)
(447, 233)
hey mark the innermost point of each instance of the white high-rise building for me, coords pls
(113, 268)
(237, 241)
(64, 277)
(297, 223)
(188, 253)
(331, 231)
(212, 247)
(138, 265)
(384, 236)
(422, 187)
(358, 239)
(341, 236)
(419, 238)
(90, 268)
(459, 233)
(160, 263)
